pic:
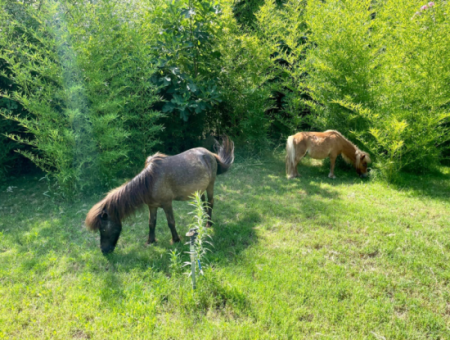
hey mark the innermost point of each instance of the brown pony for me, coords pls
(163, 180)
(320, 145)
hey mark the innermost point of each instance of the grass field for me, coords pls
(312, 258)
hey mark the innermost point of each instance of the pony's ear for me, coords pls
(104, 214)
(363, 156)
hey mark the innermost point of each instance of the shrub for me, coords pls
(283, 30)
(114, 45)
(89, 96)
(188, 64)
(245, 83)
(213, 77)
(10, 160)
(50, 89)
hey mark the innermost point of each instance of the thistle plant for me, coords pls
(199, 247)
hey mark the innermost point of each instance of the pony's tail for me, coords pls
(290, 156)
(225, 155)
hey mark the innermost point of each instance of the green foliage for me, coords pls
(7, 157)
(245, 76)
(9, 160)
(50, 89)
(100, 80)
(118, 80)
(175, 263)
(213, 77)
(186, 55)
(98, 86)
(377, 77)
(245, 10)
(413, 90)
(341, 62)
(90, 98)
(283, 30)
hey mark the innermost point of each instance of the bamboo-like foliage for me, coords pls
(89, 97)
(375, 70)
(380, 70)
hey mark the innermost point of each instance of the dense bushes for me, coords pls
(378, 72)
(98, 86)
(9, 160)
(384, 76)
(77, 97)
(104, 83)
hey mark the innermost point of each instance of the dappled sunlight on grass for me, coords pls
(346, 258)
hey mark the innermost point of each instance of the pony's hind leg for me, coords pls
(171, 222)
(210, 204)
(298, 158)
(152, 225)
(295, 152)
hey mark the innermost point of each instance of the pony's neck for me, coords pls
(349, 151)
(124, 200)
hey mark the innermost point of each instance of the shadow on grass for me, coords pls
(253, 195)
(36, 228)
(435, 185)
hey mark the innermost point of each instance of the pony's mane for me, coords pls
(350, 157)
(124, 200)
(157, 156)
(343, 137)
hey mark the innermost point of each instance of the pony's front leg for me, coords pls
(152, 225)
(332, 163)
(171, 222)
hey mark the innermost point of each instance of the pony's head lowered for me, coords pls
(121, 202)
(362, 159)
(110, 227)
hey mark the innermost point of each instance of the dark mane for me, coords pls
(124, 200)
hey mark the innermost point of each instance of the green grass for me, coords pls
(312, 258)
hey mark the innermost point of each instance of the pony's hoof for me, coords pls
(331, 176)
(209, 225)
(173, 241)
(151, 242)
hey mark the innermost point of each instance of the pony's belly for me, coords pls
(318, 153)
(185, 192)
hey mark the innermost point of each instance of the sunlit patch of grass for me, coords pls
(306, 258)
